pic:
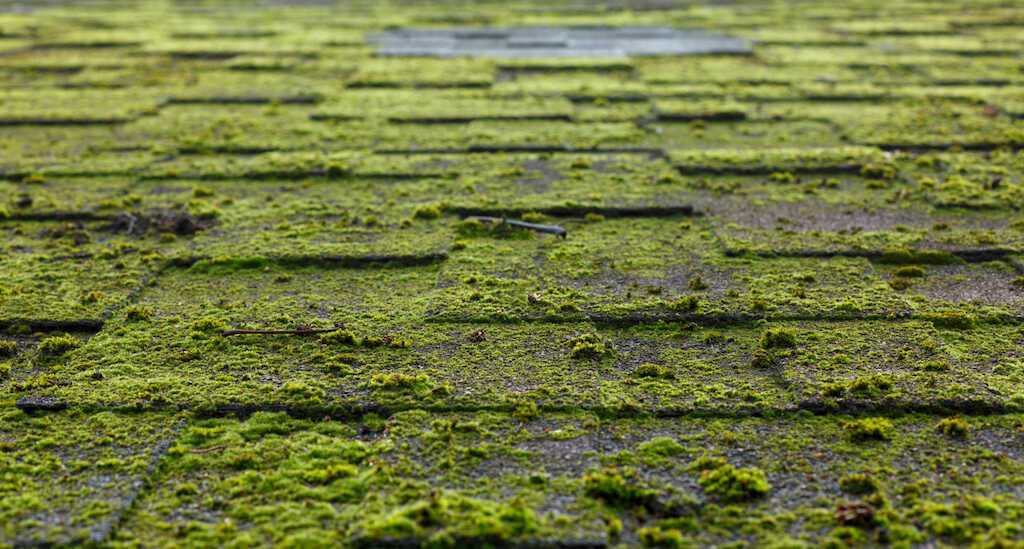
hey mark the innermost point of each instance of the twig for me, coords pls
(549, 229)
(297, 331)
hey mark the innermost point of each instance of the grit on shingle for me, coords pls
(256, 288)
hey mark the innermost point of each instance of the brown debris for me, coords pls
(855, 514)
(160, 221)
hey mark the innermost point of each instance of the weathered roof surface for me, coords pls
(253, 292)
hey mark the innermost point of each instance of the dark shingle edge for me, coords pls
(335, 261)
(347, 410)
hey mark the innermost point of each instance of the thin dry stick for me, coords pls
(549, 229)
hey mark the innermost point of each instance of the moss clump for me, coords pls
(204, 326)
(873, 428)
(706, 463)
(778, 338)
(92, 297)
(877, 170)
(858, 483)
(954, 427)
(398, 381)
(339, 337)
(619, 487)
(731, 484)
(909, 271)
(762, 358)
(298, 389)
(526, 411)
(57, 345)
(918, 257)
(201, 192)
(870, 386)
(8, 348)
(685, 304)
(587, 346)
(429, 211)
(137, 313)
(954, 320)
(451, 520)
(696, 283)
(934, 366)
(660, 447)
(899, 284)
(654, 536)
(654, 371)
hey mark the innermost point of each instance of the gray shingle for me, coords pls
(555, 42)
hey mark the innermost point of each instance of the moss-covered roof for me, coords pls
(258, 287)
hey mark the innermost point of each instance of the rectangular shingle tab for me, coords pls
(545, 42)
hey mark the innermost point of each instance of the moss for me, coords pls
(920, 257)
(138, 313)
(654, 371)
(877, 170)
(8, 348)
(900, 284)
(208, 326)
(763, 358)
(58, 345)
(935, 366)
(587, 346)
(867, 429)
(225, 266)
(660, 447)
(620, 487)
(534, 217)
(696, 283)
(870, 386)
(956, 320)
(398, 381)
(954, 427)
(200, 191)
(302, 391)
(778, 338)
(525, 411)
(429, 211)
(92, 297)
(730, 484)
(451, 520)
(859, 483)
(340, 337)
(656, 536)
(909, 271)
(614, 526)
(686, 304)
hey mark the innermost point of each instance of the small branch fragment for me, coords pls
(537, 227)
